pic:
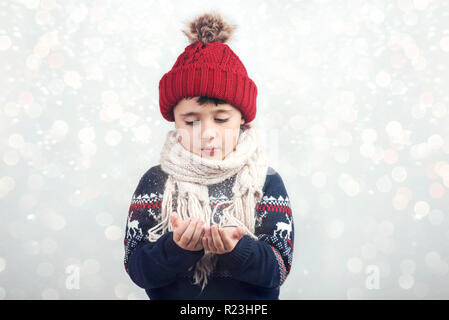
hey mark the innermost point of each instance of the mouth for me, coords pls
(209, 148)
(210, 151)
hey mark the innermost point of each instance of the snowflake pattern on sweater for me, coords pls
(255, 267)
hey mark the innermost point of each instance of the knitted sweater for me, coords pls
(254, 269)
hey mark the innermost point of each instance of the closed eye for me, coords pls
(190, 123)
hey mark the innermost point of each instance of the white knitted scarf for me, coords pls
(189, 176)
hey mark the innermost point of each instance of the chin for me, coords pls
(215, 156)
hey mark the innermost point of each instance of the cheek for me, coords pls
(185, 137)
(230, 138)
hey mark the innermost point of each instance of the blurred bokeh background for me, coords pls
(353, 101)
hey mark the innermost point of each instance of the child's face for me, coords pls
(207, 126)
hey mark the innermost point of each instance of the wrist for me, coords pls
(239, 255)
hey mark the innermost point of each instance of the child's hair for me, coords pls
(202, 100)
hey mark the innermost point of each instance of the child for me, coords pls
(212, 220)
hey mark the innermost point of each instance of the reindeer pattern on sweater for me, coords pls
(274, 226)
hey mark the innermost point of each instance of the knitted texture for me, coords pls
(191, 174)
(255, 269)
(210, 69)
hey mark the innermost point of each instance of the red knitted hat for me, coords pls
(208, 67)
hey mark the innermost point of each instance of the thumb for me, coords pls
(174, 219)
(239, 232)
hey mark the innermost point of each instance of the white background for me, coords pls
(352, 101)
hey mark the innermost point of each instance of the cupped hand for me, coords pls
(187, 233)
(221, 240)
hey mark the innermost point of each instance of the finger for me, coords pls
(210, 241)
(197, 233)
(225, 239)
(238, 233)
(199, 243)
(205, 239)
(174, 219)
(205, 244)
(187, 235)
(218, 244)
(177, 234)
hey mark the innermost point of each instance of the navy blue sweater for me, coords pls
(254, 269)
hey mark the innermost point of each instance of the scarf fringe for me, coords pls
(239, 213)
(248, 162)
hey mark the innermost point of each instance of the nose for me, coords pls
(209, 131)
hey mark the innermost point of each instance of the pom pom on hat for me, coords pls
(209, 27)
